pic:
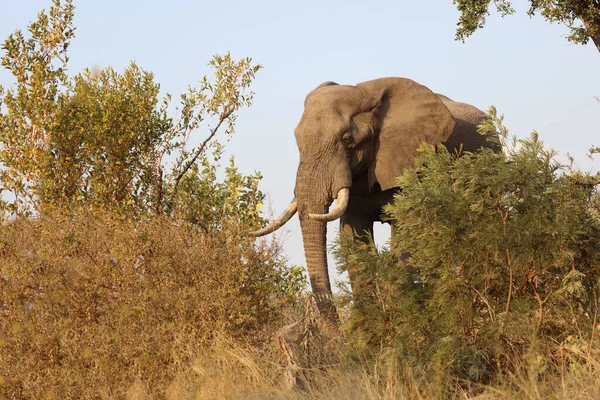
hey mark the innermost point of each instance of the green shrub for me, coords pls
(105, 138)
(503, 258)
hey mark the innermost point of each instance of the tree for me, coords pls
(106, 138)
(567, 12)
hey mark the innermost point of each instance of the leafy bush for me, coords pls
(106, 139)
(500, 258)
(91, 304)
(211, 204)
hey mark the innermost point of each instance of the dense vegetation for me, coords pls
(125, 271)
(92, 304)
(500, 262)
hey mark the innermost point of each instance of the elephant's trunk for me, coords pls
(314, 235)
(318, 181)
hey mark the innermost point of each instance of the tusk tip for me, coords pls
(318, 217)
(261, 232)
(277, 222)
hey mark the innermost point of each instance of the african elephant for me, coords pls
(354, 141)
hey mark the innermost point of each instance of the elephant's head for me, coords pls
(357, 138)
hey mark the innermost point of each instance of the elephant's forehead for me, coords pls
(333, 98)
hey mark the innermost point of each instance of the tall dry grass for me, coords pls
(92, 304)
(229, 370)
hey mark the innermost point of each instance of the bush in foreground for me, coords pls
(501, 265)
(91, 304)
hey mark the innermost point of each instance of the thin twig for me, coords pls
(510, 283)
(541, 304)
(201, 148)
(489, 307)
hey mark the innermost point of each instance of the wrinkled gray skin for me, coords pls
(362, 137)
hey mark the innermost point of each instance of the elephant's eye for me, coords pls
(347, 140)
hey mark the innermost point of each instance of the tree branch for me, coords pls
(592, 30)
(200, 149)
(588, 183)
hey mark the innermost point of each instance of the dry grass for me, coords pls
(230, 371)
(91, 305)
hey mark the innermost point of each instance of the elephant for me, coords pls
(354, 141)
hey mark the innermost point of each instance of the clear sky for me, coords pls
(525, 67)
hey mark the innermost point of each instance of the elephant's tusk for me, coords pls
(279, 221)
(340, 207)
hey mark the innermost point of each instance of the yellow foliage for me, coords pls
(91, 304)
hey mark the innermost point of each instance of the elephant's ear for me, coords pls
(405, 115)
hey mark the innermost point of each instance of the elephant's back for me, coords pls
(464, 136)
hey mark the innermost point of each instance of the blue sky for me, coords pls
(524, 67)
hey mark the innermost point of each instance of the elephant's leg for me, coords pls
(384, 199)
(359, 226)
(362, 212)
